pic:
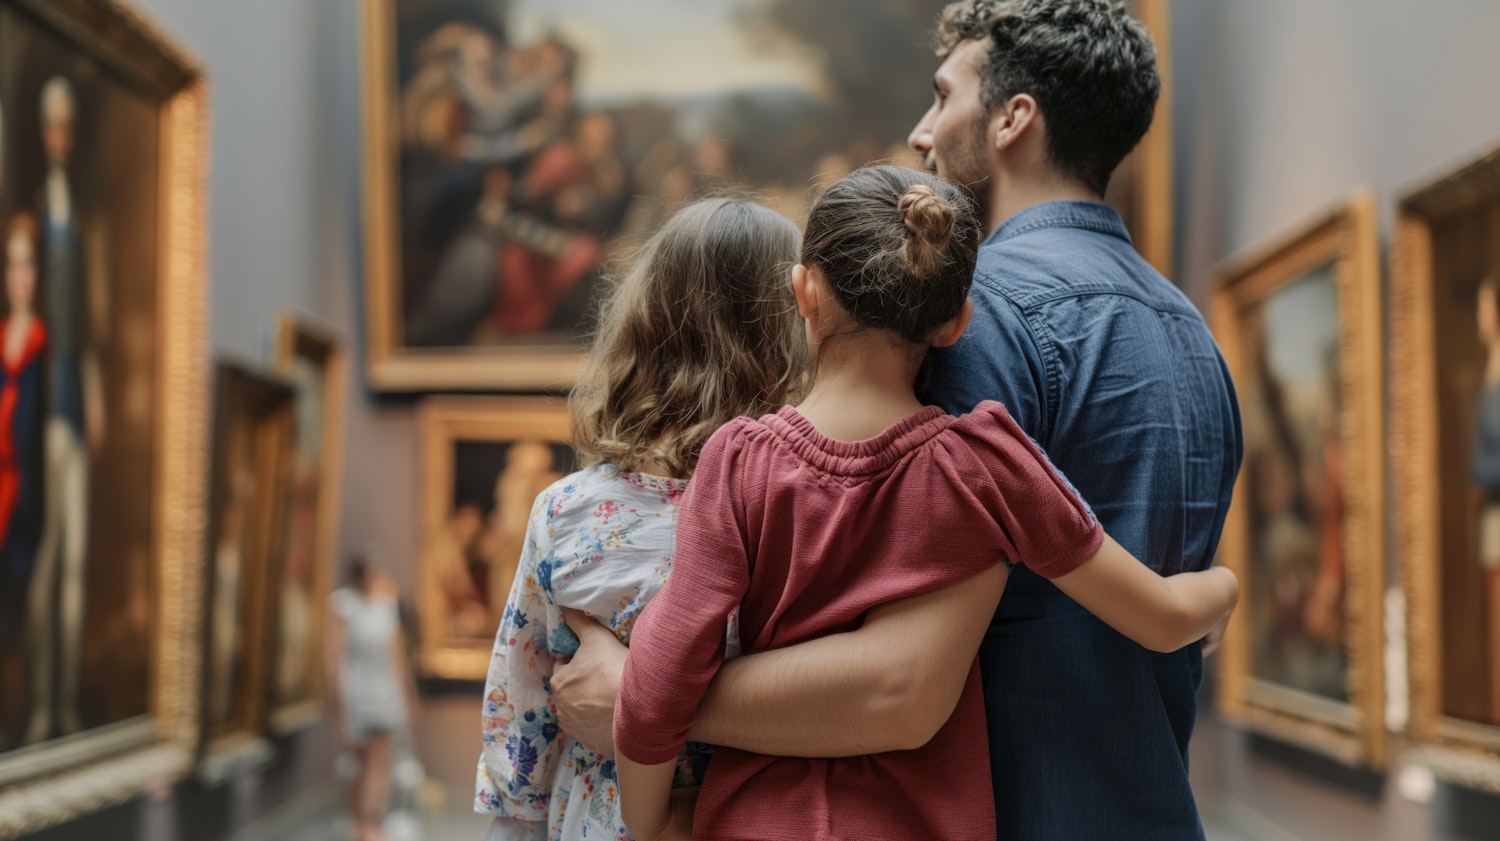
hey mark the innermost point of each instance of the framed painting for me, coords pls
(103, 140)
(313, 360)
(1141, 189)
(1445, 430)
(484, 460)
(1300, 325)
(516, 149)
(254, 427)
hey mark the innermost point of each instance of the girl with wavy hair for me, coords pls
(799, 523)
(702, 330)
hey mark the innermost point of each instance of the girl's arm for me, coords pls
(522, 743)
(677, 644)
(1162, 614)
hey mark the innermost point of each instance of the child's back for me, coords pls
(599, 541)
(830, 530)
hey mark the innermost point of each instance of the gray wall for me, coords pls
(1284, 108)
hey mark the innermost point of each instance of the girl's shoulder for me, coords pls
(580, 493)
(990, 432)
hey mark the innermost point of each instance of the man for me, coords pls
(73, 430)
(1115, 374)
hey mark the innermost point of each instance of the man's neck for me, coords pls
(1011, 196)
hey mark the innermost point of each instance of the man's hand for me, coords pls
(585, 687)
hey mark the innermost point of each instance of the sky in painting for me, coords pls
(661, 48)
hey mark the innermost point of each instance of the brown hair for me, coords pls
(898, 248)
(25, 224)
(701, 330)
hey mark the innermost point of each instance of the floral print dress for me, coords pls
(599, 541)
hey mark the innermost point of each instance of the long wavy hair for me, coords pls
(701, 330)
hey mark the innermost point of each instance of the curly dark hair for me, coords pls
(1089, 65)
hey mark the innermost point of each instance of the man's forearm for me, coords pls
(817, 699)
(887, 686)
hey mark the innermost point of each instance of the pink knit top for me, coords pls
(804, 535)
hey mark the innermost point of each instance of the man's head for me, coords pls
(1078, 75)
(57, 120)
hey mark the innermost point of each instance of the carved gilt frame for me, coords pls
(1353, 733)
(298, 337)
(266, 404)
(1152, 207)
(444, 422)
(1458, 750)
(65, 778)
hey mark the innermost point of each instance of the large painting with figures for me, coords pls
(1445, 374)
(484, 460)
(516, 149)
(1300, 323)
(102, 392)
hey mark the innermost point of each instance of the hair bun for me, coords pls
(931, 219)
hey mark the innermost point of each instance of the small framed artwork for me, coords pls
(254, 425)
(1300, 325)
(1445, 443)
(517, 150)
(483, 463)
(103, 394)
(313, 361)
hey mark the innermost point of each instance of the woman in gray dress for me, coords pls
(372, 689)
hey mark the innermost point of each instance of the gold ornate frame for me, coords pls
(1354, 732)
(390, 365)
(443, 422)
(266, 403)
(69, 777)
(1460, 751)
(296, 337)
(1150, 165)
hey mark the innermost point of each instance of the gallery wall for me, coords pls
(1283, 109)
(284, 89)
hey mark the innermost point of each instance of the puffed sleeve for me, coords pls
(1043, 522)
(522, 744)
(678, 643)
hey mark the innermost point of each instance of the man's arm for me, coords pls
(890, 685)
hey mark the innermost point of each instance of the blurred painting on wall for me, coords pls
(1445, 362)
(519, 148)
(248, 507)
(101, 395)
(484, 462)
(312, 360)
(1300, 323)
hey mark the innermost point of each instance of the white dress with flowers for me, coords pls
(599, 541)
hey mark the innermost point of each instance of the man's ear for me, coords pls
(1012, 119)
(949, 333)
(805, 285)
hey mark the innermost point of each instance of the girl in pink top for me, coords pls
(802, 521)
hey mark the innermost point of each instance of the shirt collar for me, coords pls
(1089, 215)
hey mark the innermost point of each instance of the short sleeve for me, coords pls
(522, 744)
(1044, 522)
(678, 643)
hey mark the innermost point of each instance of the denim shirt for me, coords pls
(1114, 373)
